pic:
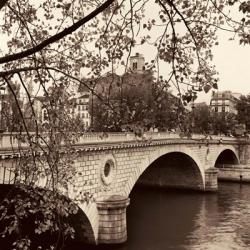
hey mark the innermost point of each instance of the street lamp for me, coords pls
(193, 120)
(92, 110)
(92, 85)
(2, 87)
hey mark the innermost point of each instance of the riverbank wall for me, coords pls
(235, 174)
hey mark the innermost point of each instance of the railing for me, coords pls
(12, 141)
(154, 136)
(232, 166)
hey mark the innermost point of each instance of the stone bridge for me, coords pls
(109, 166)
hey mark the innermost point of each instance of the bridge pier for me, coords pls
(112, 219)
(211, 179)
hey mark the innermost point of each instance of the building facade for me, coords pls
(81, 108)
(137, 63)
(224, 102)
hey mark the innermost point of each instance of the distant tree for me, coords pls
(243, 107)
(206, 121)
(124, 101)
(202, 119)
(167, 112)
(223, 123)
(134, 100)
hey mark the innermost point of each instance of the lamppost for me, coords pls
(2, 87)
(92, 85)
(193, 120)
(92, 110)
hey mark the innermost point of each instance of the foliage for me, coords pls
(202, 119)
(206, 121)
(10, 117)
(43, 160)
(53, 43)
(132, 101)
(223, 123)
(243, 107)
(26, 212)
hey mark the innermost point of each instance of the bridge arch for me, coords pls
(85, 225)
(226, 156)
(189, 159)
(87, 221)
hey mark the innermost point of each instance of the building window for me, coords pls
(45, 115)
(216, 109)
(134, 65)
(223, 109)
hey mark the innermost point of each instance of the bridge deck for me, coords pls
(13, 143)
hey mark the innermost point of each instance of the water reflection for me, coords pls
(161, 220)
(223, 224)
(168, 220)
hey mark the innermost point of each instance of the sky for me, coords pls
(232, 61)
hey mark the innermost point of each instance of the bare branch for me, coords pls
(56, 37)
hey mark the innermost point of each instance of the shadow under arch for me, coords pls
(84, 232)
(226, 158)
(176, 170)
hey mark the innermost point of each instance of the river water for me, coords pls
(171, 220)
(180, 220)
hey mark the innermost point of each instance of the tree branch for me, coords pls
(58, 36)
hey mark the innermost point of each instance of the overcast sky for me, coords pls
(232, 61)
(233, 64)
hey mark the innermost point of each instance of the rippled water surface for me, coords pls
(162, 220)
(171, 220)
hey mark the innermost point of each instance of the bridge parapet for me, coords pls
(14, 141)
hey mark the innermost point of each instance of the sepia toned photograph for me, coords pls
(124, 125)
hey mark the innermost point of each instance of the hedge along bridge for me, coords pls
(109, 165)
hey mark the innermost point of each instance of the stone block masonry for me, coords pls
(108, 169)
(112, 220)
(237, 173)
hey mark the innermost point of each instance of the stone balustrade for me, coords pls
(13, 141)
